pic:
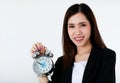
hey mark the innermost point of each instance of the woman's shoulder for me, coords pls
(108, 53)
(104, 52)
(60, 59)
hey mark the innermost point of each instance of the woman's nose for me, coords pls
(78, 31)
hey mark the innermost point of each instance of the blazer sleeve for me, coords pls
(57, 70)
(107, 69)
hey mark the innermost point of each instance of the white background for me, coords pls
(24, 22)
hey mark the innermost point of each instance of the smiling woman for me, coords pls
(86, 59)
(79, 29)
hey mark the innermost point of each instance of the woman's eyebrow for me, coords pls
(78, 23)
(82, 22)
(70, 24)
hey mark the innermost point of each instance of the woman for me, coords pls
(86, 59)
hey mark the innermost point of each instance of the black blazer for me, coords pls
(100, 68)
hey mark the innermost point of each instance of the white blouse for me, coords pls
(78, 71)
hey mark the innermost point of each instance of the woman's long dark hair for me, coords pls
(69, 48)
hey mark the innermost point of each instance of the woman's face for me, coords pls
(79, 29)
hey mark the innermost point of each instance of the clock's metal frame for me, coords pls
(37, 71)
(36, 57)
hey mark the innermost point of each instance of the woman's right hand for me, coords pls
(43, 79)
(38, 47)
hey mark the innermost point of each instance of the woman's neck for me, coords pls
(84, 50)
(83, 53)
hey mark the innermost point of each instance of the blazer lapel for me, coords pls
(66, 76)
(70, 73)
(90, 64)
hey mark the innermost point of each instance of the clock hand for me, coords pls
(39, 63)
(42, 64)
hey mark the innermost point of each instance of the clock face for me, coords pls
(42, 65)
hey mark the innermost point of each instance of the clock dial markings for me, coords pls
(43, 65)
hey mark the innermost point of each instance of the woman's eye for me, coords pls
(71, 26)
(83, 25)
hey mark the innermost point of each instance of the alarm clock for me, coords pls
(43, 64)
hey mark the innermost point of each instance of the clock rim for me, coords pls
(46, 73)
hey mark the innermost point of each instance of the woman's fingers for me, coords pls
(38, 47)
(42, 49)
